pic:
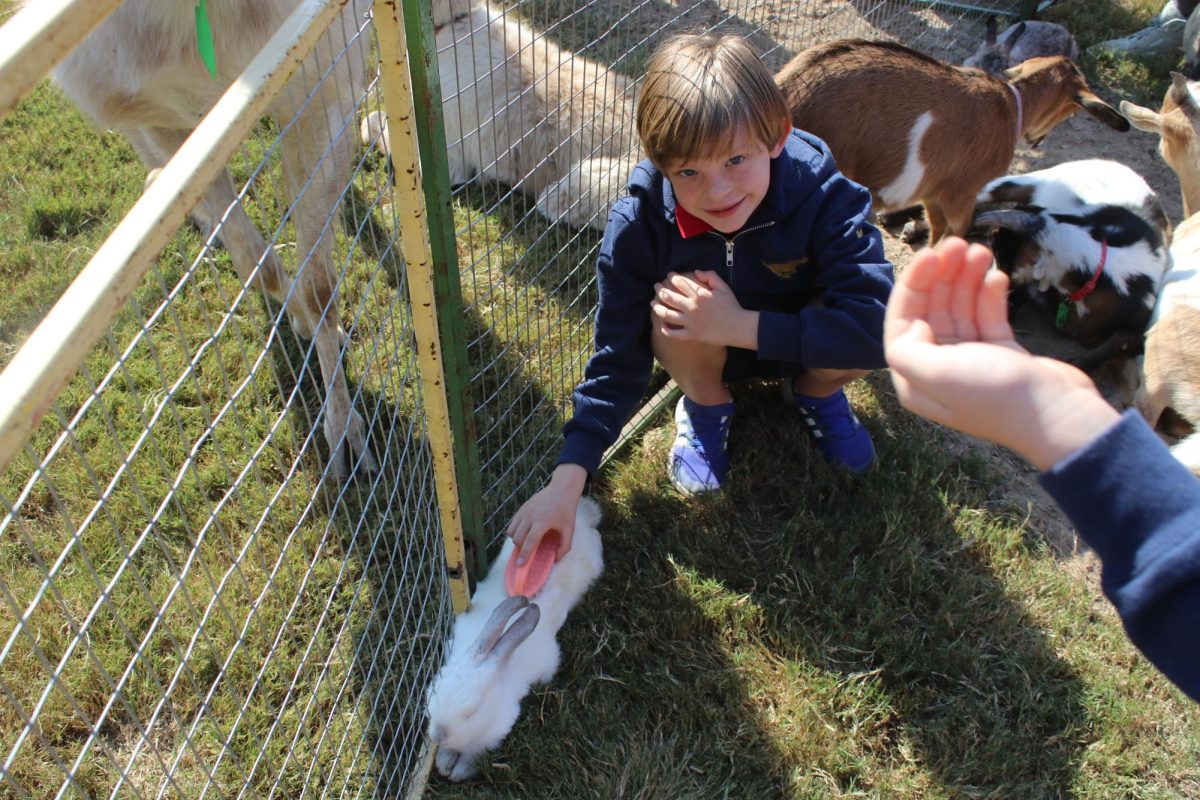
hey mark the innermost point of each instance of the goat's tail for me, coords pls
(584, 197)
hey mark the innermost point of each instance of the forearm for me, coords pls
(1139, 509)
(569, 480)
(744, 331)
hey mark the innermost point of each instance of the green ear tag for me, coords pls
(204, 38)
(1060, 318)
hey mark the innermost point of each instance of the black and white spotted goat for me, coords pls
(1088, 239)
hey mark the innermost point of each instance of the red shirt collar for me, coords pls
(688, 224)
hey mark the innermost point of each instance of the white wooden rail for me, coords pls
(38, 37)
(58, 346)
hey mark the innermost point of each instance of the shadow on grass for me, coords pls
(803, 635)
(387, 523)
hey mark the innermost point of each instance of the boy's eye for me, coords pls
(687, 172)
(733, 162)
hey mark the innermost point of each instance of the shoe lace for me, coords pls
(836, 420)
(705, 431)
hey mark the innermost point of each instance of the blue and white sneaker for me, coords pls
(698, 460)
(837, 433)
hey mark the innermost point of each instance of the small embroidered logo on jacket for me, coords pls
(787, 269)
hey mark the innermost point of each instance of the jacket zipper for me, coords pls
(729, 240)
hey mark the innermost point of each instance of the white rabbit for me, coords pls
(475, 698)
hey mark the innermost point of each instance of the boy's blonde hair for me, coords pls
(699, 91)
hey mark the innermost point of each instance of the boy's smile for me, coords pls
(723, 188)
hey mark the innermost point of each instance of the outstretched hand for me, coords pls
(954, 360)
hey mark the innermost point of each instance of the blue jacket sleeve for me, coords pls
(846, 330)
(619, 370)
(1139, 509)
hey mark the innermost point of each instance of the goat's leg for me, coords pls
(1122, 340)
(937, 222)
(317, 153)
(220, 210)
(155, 147)
(956, 219)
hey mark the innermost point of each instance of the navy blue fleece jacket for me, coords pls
(1139, 509)
(810, 234)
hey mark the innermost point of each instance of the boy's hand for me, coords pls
(551, 509)
(955, 360)
(701, 307)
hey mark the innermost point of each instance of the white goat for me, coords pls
(912, 129)
(520, 110)
(140, 73)
(1089, 239)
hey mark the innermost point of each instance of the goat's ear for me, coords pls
(1144, 119)
(1181, 93)
(1102, 111)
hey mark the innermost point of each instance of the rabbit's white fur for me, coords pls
(520, 110)
(475, 699)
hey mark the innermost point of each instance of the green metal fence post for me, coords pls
(413, 99)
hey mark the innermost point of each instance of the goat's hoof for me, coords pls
(348, 444)
(914, 231)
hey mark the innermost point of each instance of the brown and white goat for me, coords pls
(1178, 125)
(520, 110)
(1169, 397)
(139, 73)
(913, 129)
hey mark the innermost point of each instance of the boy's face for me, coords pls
(723, 188)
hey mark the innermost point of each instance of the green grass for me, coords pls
(809, 635)
(1139, 80)
(804, 635)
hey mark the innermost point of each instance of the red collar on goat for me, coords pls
(1082, 291)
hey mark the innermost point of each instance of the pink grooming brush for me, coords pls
(527, 578)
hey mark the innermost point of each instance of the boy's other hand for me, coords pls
(701, 307)
(955, 360)
(551, 509)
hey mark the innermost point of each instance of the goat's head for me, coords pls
(1178, 125)
(1014, 236)
(1053, 88)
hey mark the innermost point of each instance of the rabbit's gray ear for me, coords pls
(491, 631)
(517, 632)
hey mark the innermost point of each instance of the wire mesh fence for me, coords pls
(214, 583)
(528, 237)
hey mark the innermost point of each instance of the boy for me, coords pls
(739, 252)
